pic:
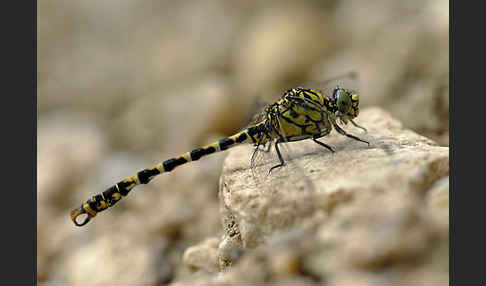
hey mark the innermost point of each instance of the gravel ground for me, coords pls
(125, 84)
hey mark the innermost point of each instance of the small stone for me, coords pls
(112, 258)
(203, 256)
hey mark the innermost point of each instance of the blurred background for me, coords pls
(125, 84)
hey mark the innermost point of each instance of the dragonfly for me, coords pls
(300, 113)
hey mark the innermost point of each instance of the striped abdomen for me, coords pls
(254, 134)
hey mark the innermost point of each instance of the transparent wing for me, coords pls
(348, 80)
(257, 110)
(262, 159)
(290, 174)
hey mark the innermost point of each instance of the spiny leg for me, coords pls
(342, 132)
(322, 144)
(355, 124)
(279, 157)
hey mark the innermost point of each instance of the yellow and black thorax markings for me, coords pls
(299, 112)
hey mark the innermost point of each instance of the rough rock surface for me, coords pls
(369, 214)
(122, 85)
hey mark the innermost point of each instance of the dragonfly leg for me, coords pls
(322, 144)
(280, 158)
(342, 132)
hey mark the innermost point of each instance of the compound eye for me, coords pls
(343, 101)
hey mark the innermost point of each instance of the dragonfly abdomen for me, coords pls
(253, 134)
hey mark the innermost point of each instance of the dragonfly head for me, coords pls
(347, 103)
